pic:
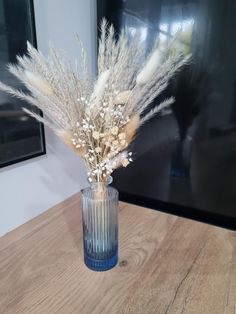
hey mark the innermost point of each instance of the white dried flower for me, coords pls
(125, 162)
(123, 142)
(114, 130)
(98, 149)
(96, 135)
(121, 136)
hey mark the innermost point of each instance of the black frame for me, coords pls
(167, 207)
(180, 210)
(43, 152)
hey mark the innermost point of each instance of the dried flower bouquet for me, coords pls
(98, 118)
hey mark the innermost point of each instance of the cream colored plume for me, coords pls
(150, 68)
(66, 137)
(38, 82)
(123, 97)
(100, 85)
(131, 128)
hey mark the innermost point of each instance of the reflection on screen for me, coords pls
(187, 156)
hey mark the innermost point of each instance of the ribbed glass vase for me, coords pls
(100, 225)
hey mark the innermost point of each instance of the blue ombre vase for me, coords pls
(100, 225)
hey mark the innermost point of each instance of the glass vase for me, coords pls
(100, 225)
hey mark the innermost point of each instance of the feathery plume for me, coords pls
(100, 85)
(151, 67)
(38, 83)
(39, 118)
(131, 128)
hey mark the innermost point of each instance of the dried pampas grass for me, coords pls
(38, 83)
(98, 118)
(100, 86)
(151, 67)
(131, 128)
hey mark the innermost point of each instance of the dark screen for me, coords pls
(187, 156)
(21, 137)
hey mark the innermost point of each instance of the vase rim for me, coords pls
(108, 180)
(112, 193)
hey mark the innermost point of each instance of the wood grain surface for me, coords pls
(167, 265)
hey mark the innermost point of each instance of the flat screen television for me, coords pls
(21, 137)
(186, 158)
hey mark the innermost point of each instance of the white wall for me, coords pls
(33, 186)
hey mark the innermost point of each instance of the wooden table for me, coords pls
(167, 265)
